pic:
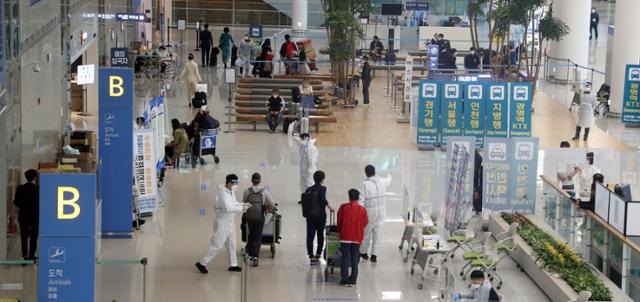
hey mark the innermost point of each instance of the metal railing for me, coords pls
(569, 65)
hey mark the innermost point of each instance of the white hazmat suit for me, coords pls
(224, 227)
(308, 154)
(372, 198)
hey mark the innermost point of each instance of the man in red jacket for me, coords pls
(352, 219)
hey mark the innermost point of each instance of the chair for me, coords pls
(465, 237)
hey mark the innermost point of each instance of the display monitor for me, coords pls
(389, 9)
(617, 210)
(602, 201)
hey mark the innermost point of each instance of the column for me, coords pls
(299, 14)
(626, 48)
(575, 45)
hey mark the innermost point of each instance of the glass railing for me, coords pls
(615, 255)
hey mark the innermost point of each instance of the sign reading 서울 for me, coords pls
(451, 105)
(631, 103)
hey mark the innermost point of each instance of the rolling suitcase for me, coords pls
(199, 99)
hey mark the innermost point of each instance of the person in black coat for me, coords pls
(366, 79)
(206, 41)
(472, 60)
(595, 19)
(27, 199)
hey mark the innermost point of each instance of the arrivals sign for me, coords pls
(631, 103)
(67, 251)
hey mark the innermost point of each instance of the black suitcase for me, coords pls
(199, 99)
(213, 58)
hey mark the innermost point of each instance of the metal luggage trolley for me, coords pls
(332, 251)
(431, 245)
(207, 145)
(271, 231)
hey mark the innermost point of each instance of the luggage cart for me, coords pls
(207, 141)
(271, 231)
(331, 253)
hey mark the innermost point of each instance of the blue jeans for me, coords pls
(350, 256)
(274, 121)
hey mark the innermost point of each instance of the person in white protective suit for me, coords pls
(245, 54)
(308, 154)
(224, 228)
(372, 198)
(586, 118)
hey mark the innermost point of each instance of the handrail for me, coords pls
(575, 64)
(591, 214)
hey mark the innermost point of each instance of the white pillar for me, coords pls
(575, 45)
(299, 18)
(626, 48)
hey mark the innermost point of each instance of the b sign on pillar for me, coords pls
(67, 205)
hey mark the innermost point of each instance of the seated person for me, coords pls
(591, 204)
(375, 49)
(306, 88)
(275, 106)
(481, 290)
(178, 145)
(165, 56)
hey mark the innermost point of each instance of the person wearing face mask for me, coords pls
(308, 155)
(585, 172)
(245, 53)
(590, 204)
(224, 228)
(372, 198)
(472, 60)
(595, 19)
(275, 106)
(586, 118)
(481, 290)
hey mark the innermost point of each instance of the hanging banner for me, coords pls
(460, 162)
(67, 247)
(520, 109)
(495, 178)
(408, 79)
(630, 103)
(428, 113)
(115, 107)
(497, 110)
(144, 169)
(451, 110)
(523, 160)
(475, 112)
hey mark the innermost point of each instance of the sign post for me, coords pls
(497, 110)
(115, 90)
(474, 112)
(67, 251)
(631, 104)
(451, 110)
(230, 78)
(428, 114)
(520, 109)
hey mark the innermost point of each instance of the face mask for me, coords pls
(274, 96)
(234, 187)
(475, 286)
(593, 10)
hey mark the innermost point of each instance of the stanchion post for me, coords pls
(229, 111)
(144, 262)
(388, 79)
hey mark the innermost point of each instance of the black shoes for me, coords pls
(585, 138)
(313, 260)
(255, 262)
(234, 269)
(374, 259)
(346, 284)
(201, 268)
(364, 257)
(575, 138)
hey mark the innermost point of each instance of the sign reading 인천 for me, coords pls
(523, 160)
(497, 110)
(474, 112)
(120, 57)
(451, 106)
(520, 109)
(631, 103)
(144, 166)
(115, 110)
(428, 113)
(67, 251)
(408, 79)
(495, 162)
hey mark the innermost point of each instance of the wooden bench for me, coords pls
(279, 80)
(321, 77)
(266, 92)
(313, 119)
(263, 111)
(250, 103)
(282, 87)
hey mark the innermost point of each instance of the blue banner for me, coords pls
(132, 17)
(428, 113)
(496, 170)
(451, 110)
(67, 251)
(630, 103)
(474, 112)
(497, 110)
(120, 57)
(115, 89)
(520, 109)
(524, 169)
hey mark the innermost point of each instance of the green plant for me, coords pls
(559, 258)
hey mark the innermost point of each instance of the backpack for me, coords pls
(311, 204)
(493, 296)
(255, 212)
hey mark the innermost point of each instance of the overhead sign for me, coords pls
(132, 17)
(451, 104)
(86, 74)
(520, 109)
(408, 79)
(428, 113)
(115, 107)
(497, 110)
(416, 6)
(631, 103)
(120, 57)
(67, 252)
(474, 112)
(255, 30)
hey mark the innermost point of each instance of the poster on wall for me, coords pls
(630, 103)
(520, 109)
(428, 113)
(458, 186)
(144, 169)
(451, 104)
(523, 160)
(497, 110)
(474, 112)
(495, 174)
